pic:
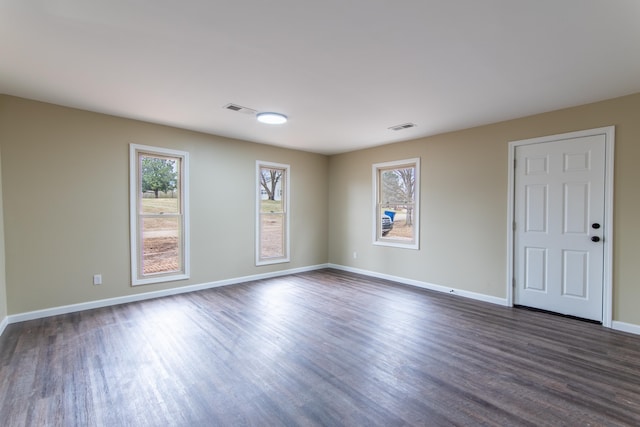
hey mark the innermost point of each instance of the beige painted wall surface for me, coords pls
(3, 283)
(65, 193)
(464, 203)
(65, 178)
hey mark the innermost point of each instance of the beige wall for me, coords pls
(66, 210)
(3, 282)
(65, 193)
(464, 203)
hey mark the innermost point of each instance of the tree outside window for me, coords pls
(159, 175)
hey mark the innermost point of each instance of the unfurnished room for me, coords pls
(338, 213)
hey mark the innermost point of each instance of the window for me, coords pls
(272, 213)
(397, 203)
(159, 214)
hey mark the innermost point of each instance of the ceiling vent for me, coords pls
(403, 126)
(239, 108)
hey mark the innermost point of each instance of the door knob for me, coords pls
(595, 225)
(595, 239)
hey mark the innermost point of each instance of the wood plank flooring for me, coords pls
(320, 348)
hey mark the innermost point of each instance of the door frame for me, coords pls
(607, 291)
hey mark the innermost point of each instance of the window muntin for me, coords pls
(272, 213)
(159, 215)
(396, 203)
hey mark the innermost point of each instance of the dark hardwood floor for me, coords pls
(320, 348)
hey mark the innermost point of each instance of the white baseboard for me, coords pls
(37, 314)
(625, 327)
(3, 325)
(425, 285)
(54, 311)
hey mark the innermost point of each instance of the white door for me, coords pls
(559, 226)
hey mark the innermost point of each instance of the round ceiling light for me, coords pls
(271, 118)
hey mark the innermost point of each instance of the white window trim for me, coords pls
(287, 192)
(134, 150)
(383, 241)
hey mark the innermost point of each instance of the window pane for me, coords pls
(397, 186)
(271, 235)
(272, 186)
(161, 244)
(159, 184)
(397, 222)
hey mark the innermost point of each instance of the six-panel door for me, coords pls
(559, 213)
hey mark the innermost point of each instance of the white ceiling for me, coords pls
(344, 71)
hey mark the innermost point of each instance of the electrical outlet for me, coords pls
(97, 279)
(355, 255)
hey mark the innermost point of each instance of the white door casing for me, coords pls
(561, 187)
